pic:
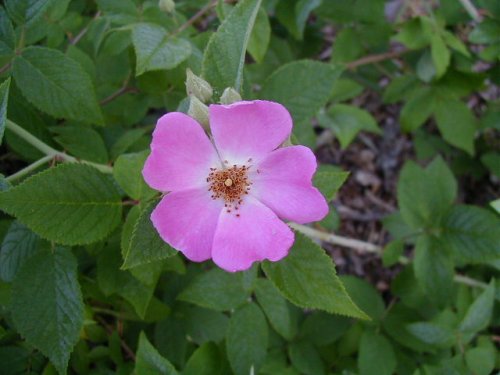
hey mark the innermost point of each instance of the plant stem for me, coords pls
(371, 59)
(195, 18)
(49, 151)
(367, 247)
(30, 168)
(82, 33)
(471, 9)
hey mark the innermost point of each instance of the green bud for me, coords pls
(198, 87)
(198, 111)
(230, 96)
(167, 6)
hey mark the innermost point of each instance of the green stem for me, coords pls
(49, 151)
(30, 168)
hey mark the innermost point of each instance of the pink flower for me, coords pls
(226, 198)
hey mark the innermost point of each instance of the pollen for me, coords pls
(229, 184)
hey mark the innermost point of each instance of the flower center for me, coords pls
(230, 184)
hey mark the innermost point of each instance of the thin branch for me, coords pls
(82, 33)
(123, 90)
(471, 9)
(123, 344)
(195, 17)
(30, 168)
(371, 59)
(367, 247)
(49, 151)
(5, 67)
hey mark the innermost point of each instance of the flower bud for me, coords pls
(197, 86)
(167, 6)
(230, 96)
(198, 111)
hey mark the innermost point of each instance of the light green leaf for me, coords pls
(149, 361)
(145, 245)
(426, 195)
(480, 312)
(306, 358)
(347, 121)
(392, 252)
(206, 360)
(412, 34)
(4, 97)
(456, 123)
(433, 267)
(246, 339)
(365, 296)
(276, 308)
(261, 34)
(224, 56)
(83, 142)
(56, 84)
(216, 289)
(47, 306)
(472, 233)
(18, 245)
(376, 355)
(70, 204)
(440, 54)
(481, 361)
(155, 49)
(417, 109)
(453, 42)
(432, 334)
(308, 279)
(329, 182)
(127, 171)
(26, 11)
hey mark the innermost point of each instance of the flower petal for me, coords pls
(245, 130)
(181, 154)
(187, 220)
(255, 235)
(283, 183)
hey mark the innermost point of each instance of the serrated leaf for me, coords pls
(246, 339)
(155, 49)
(18, 245)
(276, 308)
(472, 233)
(329, 182)
(146, 245)
(26, 11)
(56, 85)
(376, 355)
(456, 123)
(347, 121)
(127, 171)
(70, 204)
(426, 195)
(4, 97)
(82, 142)
(224, 57)
(216, 289)
(433, 267)
(365, 296)
(307, 278)
(480, 312)
(149, 361)
(47, 307)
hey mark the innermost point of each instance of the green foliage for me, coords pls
(4, 96)
(149, 361)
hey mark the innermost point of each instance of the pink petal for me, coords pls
(186, 220)
(181, 154)
(283, 183)
(245, 130)
(255, 235)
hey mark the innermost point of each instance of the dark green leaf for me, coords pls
(392, 252)
(47, 308)
(376, 355)
(4, 97)
(432, 334)
(480, 312)
(83, 142)
(329, 182)
(206, 360)
(26, 11)
(305, 358)
(481, 361)
(365, 296)
(70, 204)
(127, 171)
(261, 34)
(149, 361)
(417, 109)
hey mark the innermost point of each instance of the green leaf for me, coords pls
(204, 325)
(216, 289)
(365, 296)
(56, 84)
(440, 54)
(417, 109)
(376, 355)
(480, 312)
(70, 204)
(145, 245)
(294, 14)
(329, 182)
(322, 328)
(426, 195)
(481, 361)
(26, 11)
(433, 267)
(7, 35)
(4, 97)
(308, 279)
(149, 361)
(472, 233)
(412, 34)
(47, 306)
(432, 334)
(456, 123)
(155, 49)
(260, 37)
(127, 171)
(83, 142)
(224, 56)
(306, 358)
(455, 43)
(392, 252)
(246, 340)
(206, 360)
(18, 245)
(347, 121)
(303, 87)
(276, 308)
